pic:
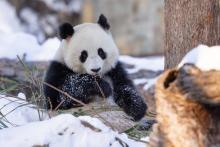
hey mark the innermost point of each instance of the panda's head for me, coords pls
(88, 48)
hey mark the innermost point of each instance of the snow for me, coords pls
(150, 83)
(22, 43)
(14, 42)
(72, 6)
(64, 130)
(140, 81)
(204, 57)
(31, 23)
(17, 111)
(8, 20)
(31, 18)
(151, 63)
(61, 130)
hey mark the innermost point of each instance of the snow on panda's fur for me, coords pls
(87, 50)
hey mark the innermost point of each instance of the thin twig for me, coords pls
(102, 93)
(59, 105)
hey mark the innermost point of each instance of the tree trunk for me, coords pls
(187, 24)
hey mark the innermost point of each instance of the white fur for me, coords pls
(89, 37)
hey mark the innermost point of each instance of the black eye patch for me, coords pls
(101, 53)
(83, 56)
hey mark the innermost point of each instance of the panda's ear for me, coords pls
(66, 30)
(103, 22)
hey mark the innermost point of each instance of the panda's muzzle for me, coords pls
(96, 70)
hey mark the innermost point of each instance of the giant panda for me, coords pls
(88, 57)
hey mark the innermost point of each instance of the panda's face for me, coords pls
(93, 62)
(90, 50)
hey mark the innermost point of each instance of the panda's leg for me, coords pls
(104, 88)
(125, 94)
(55, 76)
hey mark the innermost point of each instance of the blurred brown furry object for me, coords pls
(188, 106)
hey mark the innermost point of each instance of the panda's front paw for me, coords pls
(137, 108)
(133, 104)
(104, 88)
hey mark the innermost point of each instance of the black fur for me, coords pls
(55, 76)
(102, 54)
(79, 86)
(103, 22)
(66, 30)
(125, 94)
(83, 86)
(83, 56)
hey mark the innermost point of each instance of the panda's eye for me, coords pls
(101, 53)
(83, 56)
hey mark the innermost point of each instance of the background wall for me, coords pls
(137, 25)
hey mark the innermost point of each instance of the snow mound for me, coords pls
(8, 19)
(204, 57)
(151, 63)
(65, 130)
(62, 130)
(72, 6)
(17, 111)
(20, 44)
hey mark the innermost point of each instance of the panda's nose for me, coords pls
(96, 70)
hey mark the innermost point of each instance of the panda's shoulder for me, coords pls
(119, 67)
(58, 66)
(57, 70)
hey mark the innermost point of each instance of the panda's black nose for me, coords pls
(95, 70)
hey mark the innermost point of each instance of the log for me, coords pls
(188, 106)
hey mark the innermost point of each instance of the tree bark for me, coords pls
(187, 24)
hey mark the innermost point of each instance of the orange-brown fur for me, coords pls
(188, 109)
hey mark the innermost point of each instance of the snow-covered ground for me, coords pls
(154, 63)
(62, 130)
(13, 41)
(25, 44)
(8, 20)
(73, 6)
(17, 111)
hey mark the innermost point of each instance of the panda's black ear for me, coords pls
(66, 30)
(103, 22)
